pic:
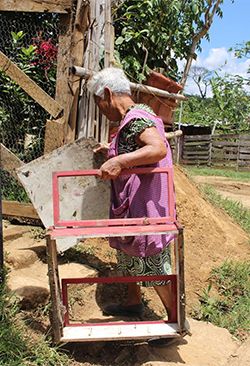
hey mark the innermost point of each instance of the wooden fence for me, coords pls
(218, 150)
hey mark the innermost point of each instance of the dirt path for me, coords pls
(211, 237)
(235, 190)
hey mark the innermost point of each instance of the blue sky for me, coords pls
(224, 33)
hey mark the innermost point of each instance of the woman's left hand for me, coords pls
(111, 168)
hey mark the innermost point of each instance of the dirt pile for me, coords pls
(211, 237)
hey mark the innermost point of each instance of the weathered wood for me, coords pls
(180, 270)
(195, 157)
(193, 152)
(9, 161)
(54, 134)
(244, 157)
(225, 143)
(226, 136)
(77, 51)
(18, 209)
(29, 86)
(197, 137)
(196, 143)
(51, 6)
(56, 312)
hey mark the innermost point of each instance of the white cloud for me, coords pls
(220, 60)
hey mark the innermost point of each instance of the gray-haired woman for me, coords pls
(140, 141)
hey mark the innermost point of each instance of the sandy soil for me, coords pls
(211, 237)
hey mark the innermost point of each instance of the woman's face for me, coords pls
(106, 105)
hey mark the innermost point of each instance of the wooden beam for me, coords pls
(51, 6)
(77, 50)
(54, 134)
(56, 312)
(9, 161)
(82, 72)
(19, 209)
(29, 86)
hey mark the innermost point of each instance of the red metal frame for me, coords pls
(116, 227)
(112, 222)
(67, 281)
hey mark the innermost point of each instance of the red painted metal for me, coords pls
(113, 231)
(115, 227)
(112, 222)
(108, 280)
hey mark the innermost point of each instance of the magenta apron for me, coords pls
(140, 196)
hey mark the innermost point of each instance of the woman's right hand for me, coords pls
(102, 147)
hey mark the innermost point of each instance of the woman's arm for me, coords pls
(153, 149)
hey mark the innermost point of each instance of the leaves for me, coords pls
(165, 28)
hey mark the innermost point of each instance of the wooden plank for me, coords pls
(120, 331)
(77, 50)
(54, 134)
(196, 143)
(244, 157)
(244, 151)
(51, 6)
(195, 157)
(9, 161)
(197, 137)
(225, 143)
(245, 138)
(190, 153)
(29, 86)
(244, 143)
(56, 312)
(226, 136)
(18, 209)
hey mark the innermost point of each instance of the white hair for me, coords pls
(110, 77)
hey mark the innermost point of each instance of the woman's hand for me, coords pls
(111, 168)
(102, 148)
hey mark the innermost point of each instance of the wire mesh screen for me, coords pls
(30, 40)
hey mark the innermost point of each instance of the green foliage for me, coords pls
(229, 305)
(15, 348)
(233, 208)
(157, 32)
(232, 101)
(230, 105)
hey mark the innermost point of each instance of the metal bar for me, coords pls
(112, 231)
(118, 279)
(126, 279)
(82, 72)
(97, 172)
(115, 222)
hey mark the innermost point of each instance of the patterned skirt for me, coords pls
(158, 264)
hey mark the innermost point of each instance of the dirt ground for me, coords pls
(235, 190)
(211, 237)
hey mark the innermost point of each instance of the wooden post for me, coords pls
(56, 313)
(76, 58)
(179, 252)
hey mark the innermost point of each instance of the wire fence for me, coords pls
(30, 40)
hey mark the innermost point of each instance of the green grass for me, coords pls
(226, 301)
(232, 174)
(235, 209)
(16, 349)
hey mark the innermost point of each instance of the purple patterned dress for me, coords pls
(137, 196)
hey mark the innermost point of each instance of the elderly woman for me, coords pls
(139, 141)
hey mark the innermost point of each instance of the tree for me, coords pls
(242, 50)
(153, 34)
(232, 101)
(201, 77)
